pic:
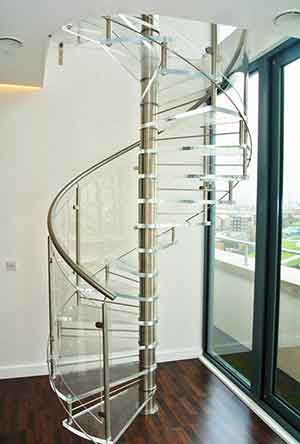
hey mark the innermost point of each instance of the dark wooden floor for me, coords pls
(195, 407)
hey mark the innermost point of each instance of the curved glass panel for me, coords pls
(102, 262)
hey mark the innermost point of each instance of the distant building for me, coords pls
(223, 222)
(241, 223)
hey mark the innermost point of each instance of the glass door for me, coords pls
(283, 345)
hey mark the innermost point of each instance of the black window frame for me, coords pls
(267, 265)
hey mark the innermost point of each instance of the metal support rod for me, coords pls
(107, 272)
(51, 338)
(147, 213)
(108, 30)
(77, 234)
(212, 130)
(106, 375)
(206, 171)
(243, 127)
(207, 131)
(242, 142)
(214, 59)
(70, 412)
(164, 57)
(230, 191)
(173, 238)
(61, 53)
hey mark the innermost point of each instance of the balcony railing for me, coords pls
(247, 244)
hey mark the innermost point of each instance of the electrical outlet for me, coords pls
(11, 266)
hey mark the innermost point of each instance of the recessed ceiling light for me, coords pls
(288, 22)
(9, 44)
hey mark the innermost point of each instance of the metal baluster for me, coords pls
(106, 372)
(108, 31)
(173, 236)
(51, 338)
(214, 94)
(164, 57)
(70, 410)
(107, 272)
(77, 238)
(243, 126)
(206, 171)
(61, 53)
(230, 191)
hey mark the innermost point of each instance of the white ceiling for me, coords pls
(32, 21)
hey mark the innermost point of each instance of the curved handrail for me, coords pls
(221, 89)
(75, 267)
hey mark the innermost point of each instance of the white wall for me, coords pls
(87, 109)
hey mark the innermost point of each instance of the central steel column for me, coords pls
(147, 210)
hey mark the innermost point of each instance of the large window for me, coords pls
(252, 286)
(287, 383)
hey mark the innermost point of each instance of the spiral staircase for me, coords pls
(108, 226)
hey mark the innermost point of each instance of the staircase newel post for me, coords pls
(77, 237)
(147, 212)
(243, 126)
(51, 323)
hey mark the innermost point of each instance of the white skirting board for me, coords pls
(277, 428)
(177, 355)
(23, 370)
(40, 368)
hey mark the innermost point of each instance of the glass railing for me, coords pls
(95, 280)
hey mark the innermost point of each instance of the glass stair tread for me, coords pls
(131, 263)
(123, 288)
(124, 47)
(82, 383)
(205, 150)
(202, 116)
(77, 320)
(179, 85)
(184, 178)
(124, 406)
(176, 224)
(125, 267)
(188, 73)
(214, 178)
(185, 201)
